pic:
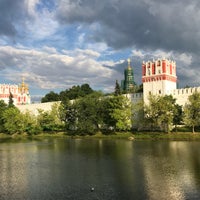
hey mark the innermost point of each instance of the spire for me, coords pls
(129, 63)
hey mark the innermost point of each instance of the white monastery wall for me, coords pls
(135, 98)
(181, 95)
(33, 108)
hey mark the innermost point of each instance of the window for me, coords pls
(149, 72)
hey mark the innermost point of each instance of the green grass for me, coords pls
(116, 135)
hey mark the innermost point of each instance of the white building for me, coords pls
(20, 93)
(159, 78)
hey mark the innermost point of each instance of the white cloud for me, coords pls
(185, 58)
(51, 70)
(40, 24)
(138, 53)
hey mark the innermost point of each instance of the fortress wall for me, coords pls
(135, 98)
(33, 108)
(181, 95)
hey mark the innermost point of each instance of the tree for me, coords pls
(10, 102)
(192, 111)
(138, 119)
(72, 93)
(50, 97)
(30, 125)
(160, 111)
(86, 89)
(50, 120)
(117, 113)
(123, 115)
(151, 112)
(88, 118)
(178, 116)
(68, 114)
(12, 119)
(117, 89)
(139, 89)
(3, 107)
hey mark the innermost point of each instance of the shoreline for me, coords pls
(179, 136)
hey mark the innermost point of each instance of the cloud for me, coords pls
(11, 13)
(49, 70)
(144, 24)
(185, 58)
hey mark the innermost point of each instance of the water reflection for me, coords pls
(117, 169)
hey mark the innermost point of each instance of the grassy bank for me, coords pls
(117, 135)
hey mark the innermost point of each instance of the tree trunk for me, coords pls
(193, 131)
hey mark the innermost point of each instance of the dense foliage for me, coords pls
(72, 93)
(96, 112)
(162, 112)
(192, 111)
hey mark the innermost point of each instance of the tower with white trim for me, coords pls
(158, 77)
(127, 84)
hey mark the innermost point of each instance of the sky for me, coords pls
(55, 44)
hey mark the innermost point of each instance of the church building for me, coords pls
(19, 93)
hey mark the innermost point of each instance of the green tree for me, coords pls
(123, 116)
(45, 120)
(178, 116)
(160, 111)
(76, 92)
(10, 102)
(3, 107)
(117, 89)
(87, 113)
(117, 113)
(50, 97)
(86, 89)
(12, 119)
(192, 111)
(29, 122)
(68, 114)
(151, 112)
(72, 93)
(139, 89)
(50, 120)
(167, 111)
(138, 119)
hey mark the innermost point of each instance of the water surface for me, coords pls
(116, 169)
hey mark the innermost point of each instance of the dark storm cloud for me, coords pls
(147, 24)
(11, 13)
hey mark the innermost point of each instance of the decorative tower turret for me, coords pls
(23, 94)
(158, 77)
(128, 82)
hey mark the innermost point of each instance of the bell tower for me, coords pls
(158, 77)
(128, 82)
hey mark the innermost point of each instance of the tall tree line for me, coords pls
(73, 93)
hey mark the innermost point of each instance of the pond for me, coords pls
(57, 168)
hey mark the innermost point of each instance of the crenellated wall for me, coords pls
(135, 97)
(181, 95)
